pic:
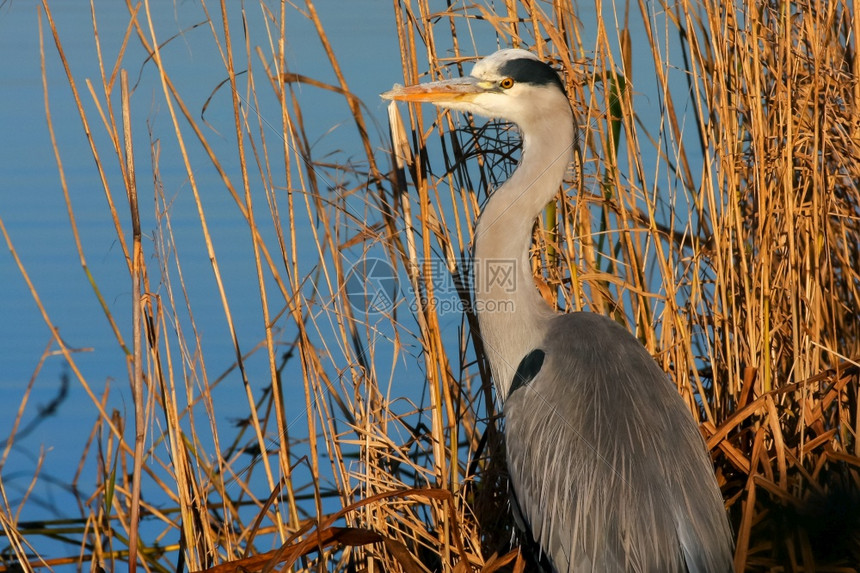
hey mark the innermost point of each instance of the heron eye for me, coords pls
(506, 83)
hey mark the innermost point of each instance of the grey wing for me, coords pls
(607, 464)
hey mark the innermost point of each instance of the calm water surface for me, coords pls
(34, 211)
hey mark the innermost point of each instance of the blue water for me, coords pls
(35, 215)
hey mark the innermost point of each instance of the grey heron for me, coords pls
(606, 462)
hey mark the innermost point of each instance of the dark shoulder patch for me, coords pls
(530, 71)
(528, 368)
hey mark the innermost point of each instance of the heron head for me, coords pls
(510, 84)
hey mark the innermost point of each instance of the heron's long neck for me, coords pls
(511, 313)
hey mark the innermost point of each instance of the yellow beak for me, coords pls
(439, 93)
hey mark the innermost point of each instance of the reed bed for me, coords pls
(727, 240)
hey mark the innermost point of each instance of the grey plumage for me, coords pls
(586, 457)
(607, 464)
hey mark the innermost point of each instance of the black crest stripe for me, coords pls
(528, 368)
(529, 71)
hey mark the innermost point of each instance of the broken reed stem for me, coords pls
(137, 302)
